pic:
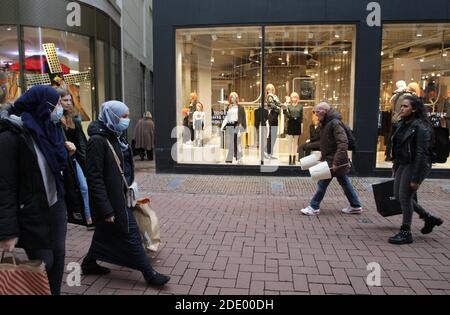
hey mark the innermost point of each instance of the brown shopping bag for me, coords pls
(23, 278)
(148, 224)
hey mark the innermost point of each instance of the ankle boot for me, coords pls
(90, 267)
(290, 159)
(430, 223)
(403, 237)
(156, 279)
(294, 160)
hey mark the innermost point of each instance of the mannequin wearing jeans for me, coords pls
(235, 123)
(199, 123)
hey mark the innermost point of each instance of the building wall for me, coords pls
(106, 6)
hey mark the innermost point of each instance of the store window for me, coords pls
(217, 67)
(68, 65)
(101, 72)
(9, 65)
(415, 59)
(305, 65)
(309, 63)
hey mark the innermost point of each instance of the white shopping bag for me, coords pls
(309, 161)
(320, 172)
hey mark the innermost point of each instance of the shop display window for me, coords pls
(60, 58)
(415, 60)
(9, 59)
(255, 109)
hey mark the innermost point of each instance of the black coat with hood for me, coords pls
(24, 209)
(107, 189)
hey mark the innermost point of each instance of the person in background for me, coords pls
(74, 133)
(144, 134)
(33, 212)
(411, 154)
(313, 143)
(116, 238)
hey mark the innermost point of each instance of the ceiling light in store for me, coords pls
(212, 60)
(444, 54)
(345, 52)
(257, 74)
(382, 53)
(326, 71)
(223, 74)
(384, 83)
(423, 78)
(422, 60)
(280, 59)
(337, 36)
(412, 79)
(260, 36)
(438, 75)
(214, 37)
(239, 35)
(258, 83)
(311, 35)
(419, 33)
(306, 51)
(9, 28)
(283, 63)
(391, 82)
(433, 74)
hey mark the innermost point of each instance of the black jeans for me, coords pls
(404, 194)
(306, 148)
(54, 258)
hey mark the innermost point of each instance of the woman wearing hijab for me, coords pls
(33, 213)
(116, 238)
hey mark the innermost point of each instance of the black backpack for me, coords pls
(350, 136)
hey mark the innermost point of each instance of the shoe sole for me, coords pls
(401, 243)
(426, 232)
(353, 212)
(310, 214)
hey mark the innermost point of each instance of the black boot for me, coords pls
(290, 159)
(90, 267)
(156, 279)
(403, 237)
(430, 223)
(294, 160)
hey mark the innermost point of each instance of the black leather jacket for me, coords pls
(413, 149)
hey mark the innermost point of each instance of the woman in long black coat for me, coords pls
(116, 238)
(33, 212)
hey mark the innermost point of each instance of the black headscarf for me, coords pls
(35, 107)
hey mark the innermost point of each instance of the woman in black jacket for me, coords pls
(33, 213)
(116, 238)
(411, 144)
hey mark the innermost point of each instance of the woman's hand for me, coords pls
(71, 148)
(110, 219)
(414, 186)
(8, 245)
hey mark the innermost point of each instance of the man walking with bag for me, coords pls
(334, 147)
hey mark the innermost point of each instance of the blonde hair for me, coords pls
(270, 86)
(230, 97)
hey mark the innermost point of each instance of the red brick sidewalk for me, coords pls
(245, 236)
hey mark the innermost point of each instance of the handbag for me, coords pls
(387, 204)
(23, 278)
(148, 224)
(132, 191)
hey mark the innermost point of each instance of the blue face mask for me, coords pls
(57, 114)
(123, 124)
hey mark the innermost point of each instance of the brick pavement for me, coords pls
(245, 236)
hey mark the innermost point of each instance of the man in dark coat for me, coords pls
(334, 147)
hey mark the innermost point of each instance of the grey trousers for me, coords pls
(404, 193)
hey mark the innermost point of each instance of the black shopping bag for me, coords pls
(387, 204)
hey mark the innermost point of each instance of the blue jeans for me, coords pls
(54, 258)
(346, 185)
(84, 191)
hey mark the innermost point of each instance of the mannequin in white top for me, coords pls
(199, 124)
(234, 123)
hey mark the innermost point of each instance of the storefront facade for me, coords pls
(271, 53)
(86, 56)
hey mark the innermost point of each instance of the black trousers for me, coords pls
(306, 148)
(54, 258)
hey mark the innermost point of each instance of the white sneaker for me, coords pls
(310, 211)
(351, 210)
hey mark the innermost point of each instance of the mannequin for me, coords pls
(294, 112)
(272, 104)
(235, 123)
(186, 131)
(199, 124)
(192, 108)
